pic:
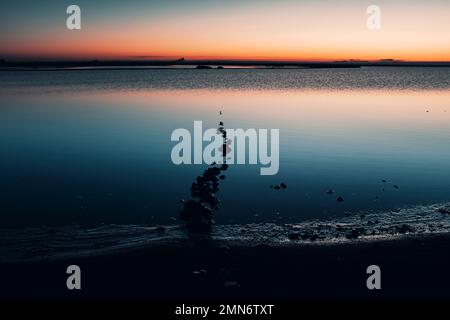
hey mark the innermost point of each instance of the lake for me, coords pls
(93, 146)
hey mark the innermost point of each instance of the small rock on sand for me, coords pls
(340, 199)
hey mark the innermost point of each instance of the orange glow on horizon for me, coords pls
(272, 32)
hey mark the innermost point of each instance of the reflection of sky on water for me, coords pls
(104, 156)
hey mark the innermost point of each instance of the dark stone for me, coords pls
(444, 210)
(160, 229)
(354, 234)
(222, 177)
(330, 191)
(293, 236)
(283, 185)
(340, 199)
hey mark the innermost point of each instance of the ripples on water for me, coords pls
(391, 78)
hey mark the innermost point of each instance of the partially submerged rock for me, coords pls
(197, 212)
(354, 233)
(444, 210)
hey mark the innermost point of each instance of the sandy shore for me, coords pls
(412, 267)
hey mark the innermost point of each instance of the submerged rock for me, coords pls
(340, 199)
(444, 210)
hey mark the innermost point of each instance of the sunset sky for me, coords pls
(303, 30)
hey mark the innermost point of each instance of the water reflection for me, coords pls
(92, 156)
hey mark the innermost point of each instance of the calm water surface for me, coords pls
(93, 146)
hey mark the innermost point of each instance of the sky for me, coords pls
(299, 30)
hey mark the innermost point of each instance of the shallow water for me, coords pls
(93, 146)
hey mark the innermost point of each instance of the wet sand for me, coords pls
(412, 267)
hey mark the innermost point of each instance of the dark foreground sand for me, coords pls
(415, 267)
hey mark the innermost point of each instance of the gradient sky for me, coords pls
(253, 29)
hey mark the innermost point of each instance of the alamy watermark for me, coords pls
(230, 146)
(374, 20)
(73, 21)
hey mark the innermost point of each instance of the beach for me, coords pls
(413, 267)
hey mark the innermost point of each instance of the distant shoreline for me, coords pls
(163, 65)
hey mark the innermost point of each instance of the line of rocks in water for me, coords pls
(198, 211)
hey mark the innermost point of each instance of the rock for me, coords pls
(277, 187)
(293, 236)
(384, 181)
(222, 177)
(340, 199)
(330, 191)
(396, 187)
(200, 272)
(354, 234)
(160, 229)
(404, 228)
(283, 185)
